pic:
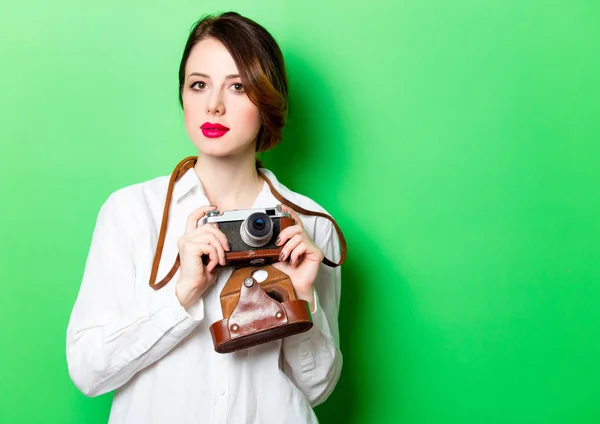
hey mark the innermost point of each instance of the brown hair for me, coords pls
(260, 63)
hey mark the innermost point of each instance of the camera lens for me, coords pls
(257, 229)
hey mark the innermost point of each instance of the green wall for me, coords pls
(456, 143)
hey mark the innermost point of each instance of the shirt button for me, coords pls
(222, 393)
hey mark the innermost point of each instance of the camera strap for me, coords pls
(181, 168)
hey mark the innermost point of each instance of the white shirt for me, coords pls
(160, 357)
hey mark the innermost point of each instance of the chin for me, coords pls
(220, 149)
(217, 153)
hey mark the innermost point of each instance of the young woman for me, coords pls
(154, 346)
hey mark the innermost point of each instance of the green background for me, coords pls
(456, 143)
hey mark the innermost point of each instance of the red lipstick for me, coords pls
(211, 130)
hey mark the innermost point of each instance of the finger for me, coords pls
(217, 233)
(212, 240)
(297, 253)
(198, 250)
(192, 242)
(211, 266)
(289, 246)
(288, 233)
(293, 214)
(213, 258)
(194, 217)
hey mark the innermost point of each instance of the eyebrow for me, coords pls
(200, 74)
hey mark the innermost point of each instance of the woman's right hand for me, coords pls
(195, 277)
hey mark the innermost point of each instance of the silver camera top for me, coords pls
(241, 214)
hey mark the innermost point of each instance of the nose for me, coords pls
(214, 103)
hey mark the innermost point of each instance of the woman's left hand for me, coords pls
(304, 258)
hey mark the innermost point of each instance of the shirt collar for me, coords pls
(187, 183)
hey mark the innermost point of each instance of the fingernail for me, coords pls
(278, 241)
(281, 257)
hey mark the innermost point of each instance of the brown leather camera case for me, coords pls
(256, 313)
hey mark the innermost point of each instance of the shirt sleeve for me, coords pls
(312, 360)
(115, 328)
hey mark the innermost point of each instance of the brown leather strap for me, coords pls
(181, 168)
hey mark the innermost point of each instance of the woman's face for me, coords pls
(213, 95)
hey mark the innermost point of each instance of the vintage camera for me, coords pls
(251, 233)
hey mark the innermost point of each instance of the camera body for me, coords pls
(251, 233)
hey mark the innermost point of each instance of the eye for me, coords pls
(201, 85)
(238, 87)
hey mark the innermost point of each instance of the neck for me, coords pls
(229, 182)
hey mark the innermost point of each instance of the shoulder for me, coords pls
(136, 199)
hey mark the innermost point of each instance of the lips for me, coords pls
(211, 130)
